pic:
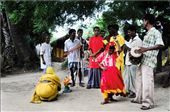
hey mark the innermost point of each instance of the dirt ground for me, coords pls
(17, 89)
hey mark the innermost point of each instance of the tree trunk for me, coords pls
(25, 54)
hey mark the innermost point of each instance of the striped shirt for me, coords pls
(152, 38)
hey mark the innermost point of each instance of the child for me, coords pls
(111, 80)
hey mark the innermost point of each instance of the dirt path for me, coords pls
(16, 91)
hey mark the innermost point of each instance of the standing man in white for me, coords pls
(129, 73)
(72, 50)
(45, 53)
(144, 77)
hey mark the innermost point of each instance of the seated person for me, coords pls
(47, 88)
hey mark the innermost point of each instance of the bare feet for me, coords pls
(106, 101)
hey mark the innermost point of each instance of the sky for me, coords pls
(61, 31)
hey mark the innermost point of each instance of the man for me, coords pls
(144, 76)
(72, 50)
(83, 41)
(45, 53)
(129, 73)
(82, 53)
(95, 46)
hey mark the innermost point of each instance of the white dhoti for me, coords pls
(145, 86)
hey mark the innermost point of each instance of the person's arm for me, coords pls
(42, 56)
(75, 48)
(65, 49)
(125, 47)
(158, 45)
(90, 52)
(42, 51)
(101, 49)
(101, 66)
(99, 60)
(66, 53)
(98, 52)
(145, 49)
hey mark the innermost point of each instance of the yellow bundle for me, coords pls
(47, 88)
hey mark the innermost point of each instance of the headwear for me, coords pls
(112, 43)
(50, 70)
(47, 88)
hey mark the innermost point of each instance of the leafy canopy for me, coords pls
(39, 16)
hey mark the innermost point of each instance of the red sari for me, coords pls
(111, 80)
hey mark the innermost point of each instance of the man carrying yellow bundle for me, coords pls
(47, 88)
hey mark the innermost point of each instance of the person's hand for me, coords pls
(66, 53)
(71, 50)
(44, 62)
(103, 68)
(92, 55)
(141, 50)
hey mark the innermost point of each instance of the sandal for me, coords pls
(133, 101)
(145, 108)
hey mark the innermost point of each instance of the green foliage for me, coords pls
(101, 23)
(126, 10)
(40, 16)
(134, 10)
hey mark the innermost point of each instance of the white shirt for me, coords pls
(73, 56)
(46, 52)
(38, 47)
(135, 42)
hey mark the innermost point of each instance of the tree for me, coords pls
(131, 10)
(29, 19)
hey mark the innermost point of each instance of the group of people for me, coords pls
(110, 67)
(107, 68)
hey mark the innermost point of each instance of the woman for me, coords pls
(47, 88)
(111, 80)
(113, 37)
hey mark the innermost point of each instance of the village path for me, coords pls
(17, 89)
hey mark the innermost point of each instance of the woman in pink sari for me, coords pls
(111, 80)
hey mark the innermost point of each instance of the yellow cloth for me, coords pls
(116, 91)
(120, 58)
(47, 88)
